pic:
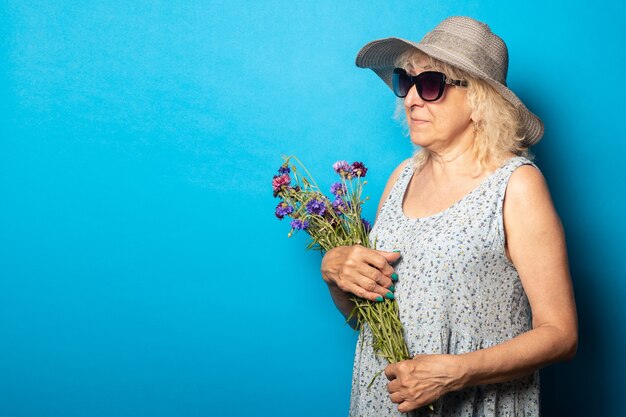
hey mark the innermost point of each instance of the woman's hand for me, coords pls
(420, 381)
(361, 271)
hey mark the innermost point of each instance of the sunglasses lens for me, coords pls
(431, 85)
(401, 82)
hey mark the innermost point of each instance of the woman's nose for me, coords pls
(412, 98)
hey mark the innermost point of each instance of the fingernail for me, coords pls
(379, 299)
(397, 250)
(394, 277)
(390, 296)
(392, 288)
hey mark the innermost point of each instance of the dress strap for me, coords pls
(500, 188)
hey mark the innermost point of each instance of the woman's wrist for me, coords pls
(461, 375)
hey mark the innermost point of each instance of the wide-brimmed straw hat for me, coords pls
(464, 43)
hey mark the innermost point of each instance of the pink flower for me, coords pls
(343, 168)
(280, 183)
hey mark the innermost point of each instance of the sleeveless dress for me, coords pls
(457, 292)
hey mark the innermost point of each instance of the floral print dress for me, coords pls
(457, 292)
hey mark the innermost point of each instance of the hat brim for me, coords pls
(380, 56)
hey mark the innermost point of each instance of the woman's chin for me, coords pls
(419, 140)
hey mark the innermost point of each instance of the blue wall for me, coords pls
(142, 271)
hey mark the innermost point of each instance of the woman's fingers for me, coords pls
(406, 406)
(375, 275)
(418, 382)
(382, 260)
(391, 371)
(361, 271)
(364, 287)
(371, 279)
(379, 264)
(396, 397)
(361, 292)
(370, 284)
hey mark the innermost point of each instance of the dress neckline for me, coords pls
(454, 205)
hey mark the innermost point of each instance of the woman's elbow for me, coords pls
(570, 345)
(563, 344)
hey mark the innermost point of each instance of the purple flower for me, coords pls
(283, 209)
(315, 207)
(339, 205)
(284, 169)
(338, 189)
(366, 225)
(359, 169)
(298, 224)
(343, 168)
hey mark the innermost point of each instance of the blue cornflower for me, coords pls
(315, 207)
(338, 189)
(339, 205)
(283, 209)
(298, 224)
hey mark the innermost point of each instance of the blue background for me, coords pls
(142, 271)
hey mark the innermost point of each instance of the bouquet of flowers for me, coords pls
(339, 223)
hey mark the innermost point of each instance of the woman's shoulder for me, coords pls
(527, 192)
(515, 168)
(525, 174)
(527, 182)
(530, 219)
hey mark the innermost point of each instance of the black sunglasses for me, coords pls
(429, 84)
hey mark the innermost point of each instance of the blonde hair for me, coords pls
(496, 121)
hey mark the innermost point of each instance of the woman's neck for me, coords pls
(457, 160)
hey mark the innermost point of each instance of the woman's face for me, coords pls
(438, 125)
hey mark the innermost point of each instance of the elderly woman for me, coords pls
(482, 281)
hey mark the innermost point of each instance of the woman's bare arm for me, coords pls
(536, 245)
